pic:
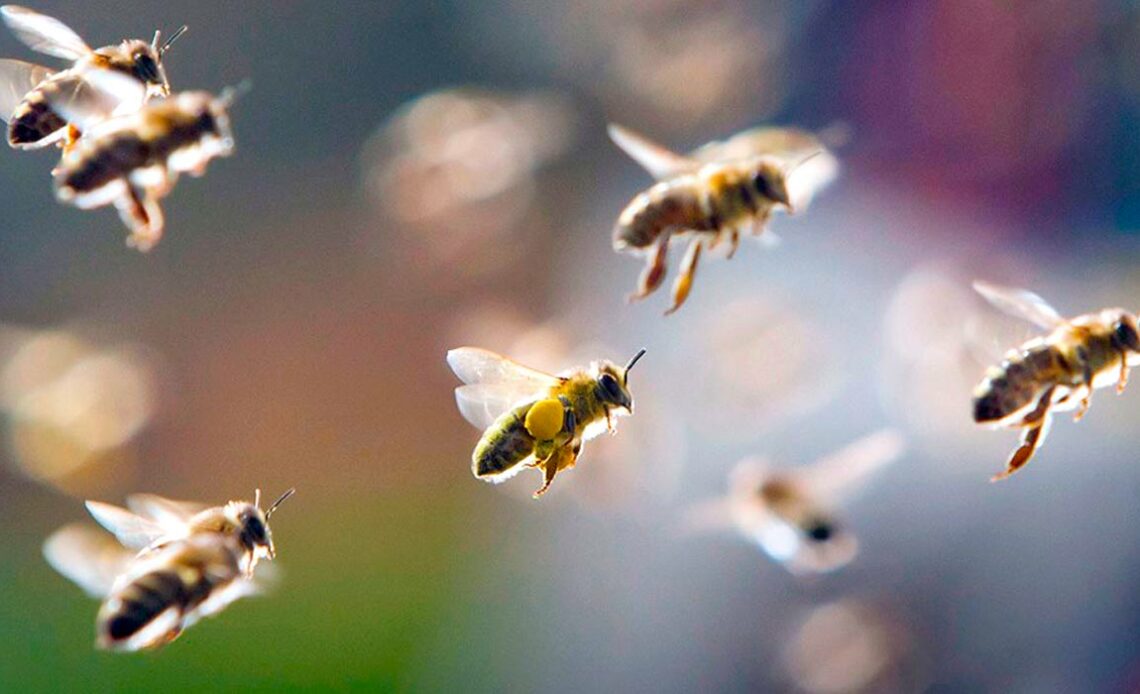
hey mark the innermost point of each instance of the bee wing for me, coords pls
(1020, 303)
(710, 515)
(88, 557)
(166, 512)
(99, 95)
(133, 531)
(482, 403)
(17, 78)
(44, 34)
(841, 473)
(658, 160)
(473, 365)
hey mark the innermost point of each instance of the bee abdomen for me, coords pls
(33, 121)
(97, 167)
(141, 601)
(1014, 385)
(651, 213)
(505, 444)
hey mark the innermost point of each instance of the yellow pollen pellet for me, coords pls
(544, 419)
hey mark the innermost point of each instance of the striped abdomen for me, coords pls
(175, 582)
(34, 122)
(1018, 382)
(668, 205)
(505, 444)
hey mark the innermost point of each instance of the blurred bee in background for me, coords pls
(175, 562)
(789, 513)
(1056, 372)
(714, 194)
(28, 92)
(134, 160)
(533, 419)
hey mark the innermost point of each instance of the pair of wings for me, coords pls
(828, 480)
(94, 561)
(809, 164)
(494, 384)
(1020, 303)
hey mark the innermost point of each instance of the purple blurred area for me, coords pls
(411, 177)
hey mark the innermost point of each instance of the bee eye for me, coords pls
(1126, 336)
(764, 186)
(145, 68)
(611, 387)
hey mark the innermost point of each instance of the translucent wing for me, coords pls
(482, 403)
(88, 557)
(133, 531)
(168, 513)
(44, 34)
(96, 96)
(17, 78)
(474, 365)
(841, 473)
(659, 161)
(1020, 303)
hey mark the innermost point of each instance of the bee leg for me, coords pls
(561, 459)
(1036, 425)
(684, 283)
(733, 242)
(143, 216)
(655, 269)
(1123, 382)
(1086, 385)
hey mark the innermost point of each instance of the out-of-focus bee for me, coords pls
(28, 93)
(714, 194)
(134, 160)
(175, 563)
(533, 419)
(789, 512)
(1052, 373)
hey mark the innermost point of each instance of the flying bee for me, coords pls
(133, 160)
(714, 194)
(790, 512)
(174, 563)
(533, 419)
(28, 92)
(1053, 373)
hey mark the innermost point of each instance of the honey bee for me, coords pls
(1053, 373)
(715, 194)
(533, 419)
(174, 563)
(27, 91)
(133, 160)
(790, 513)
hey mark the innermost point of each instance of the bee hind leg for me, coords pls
(142, 214)
(561, 459)
(655, 269)
(684, 283)
(1086, 385)
(1123, 382)
(1036, 425)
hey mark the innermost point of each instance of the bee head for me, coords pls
(252, 525)
(770, 181)
(1125, 333)
(613, 383)
(143, 62)
(819, 529)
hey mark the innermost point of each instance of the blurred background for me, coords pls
(411, 177)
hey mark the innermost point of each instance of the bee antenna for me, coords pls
(788, 171)
(173, 37)
(231, 94)
(280, 499)
(633, 361)
(257, 497)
